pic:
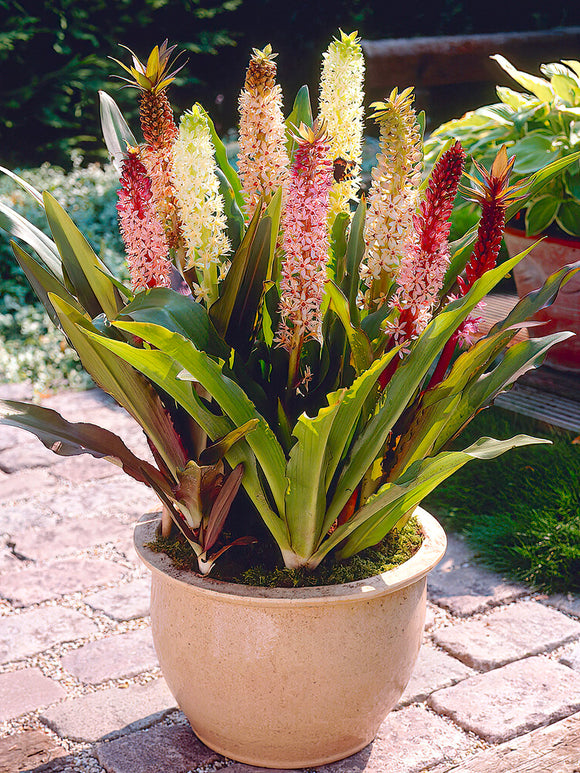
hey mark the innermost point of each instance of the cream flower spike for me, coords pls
(341, 108)
(200, 203)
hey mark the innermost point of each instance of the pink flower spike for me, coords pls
(305, 240)
(142, 232)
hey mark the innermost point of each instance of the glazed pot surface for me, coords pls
(288, 678)
(564, 314)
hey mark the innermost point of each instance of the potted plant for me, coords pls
(298, 362)
(539, 126)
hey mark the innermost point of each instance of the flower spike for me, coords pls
(262, 159)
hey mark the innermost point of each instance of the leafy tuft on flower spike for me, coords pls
(159, 130)
(262, 159)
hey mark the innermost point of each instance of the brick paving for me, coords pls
(498, 676)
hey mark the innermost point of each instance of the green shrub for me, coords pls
(30, 346)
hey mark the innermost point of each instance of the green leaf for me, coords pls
(161, 369)
(354, 254)
(406, 380)
(235, 313)
(534, 151)
(541, 213)
(568, 217)
(180, 314)
(375, 519)
(305, 503)
(301, 113)
(229, 396)
(538, 86)
(30, 189)
(19, 228)
(338, 244)
(234, 216)
(116, 132)
(85, 270)
(359, 343)
(221, 158)
(43, 282)
(218, 449)
(129, 388)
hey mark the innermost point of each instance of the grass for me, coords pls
(521, 512)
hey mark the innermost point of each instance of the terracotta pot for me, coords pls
(564, 314)
(288, 678)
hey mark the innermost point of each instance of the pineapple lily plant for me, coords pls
(282, 334)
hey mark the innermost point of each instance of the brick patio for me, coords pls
(496, 687)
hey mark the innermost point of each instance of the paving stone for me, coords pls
(433, 671)
(109, 713)
(507, 634)
(70, 535)
(59, 578)
(553, 749)
(26, 690)
(572, 658)
(239, 767)
(124, 655)
(21, 390)
(512, 700)
(76, 404)
(15, 517)
(124, 602)
(119, 495)
(12, 436)
(568, 603)
(28, 751)
(24, 456)
(26, 483)
(462, 587)
(411, 740)
(84, 467)
(173, 749)
(32, 632)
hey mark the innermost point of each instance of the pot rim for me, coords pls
(415, 568)
(571, 242)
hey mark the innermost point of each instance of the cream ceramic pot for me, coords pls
(288, 678)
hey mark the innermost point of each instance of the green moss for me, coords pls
(395, 549)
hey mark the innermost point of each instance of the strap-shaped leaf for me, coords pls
(235, 313)
(354, 254)
(180, 314)
(86, 272)
(72, 438)
(406, 380)
(43, 283)
(360, 346)
(301, 113)
(229, 396)
(306, 472)
(380, 514)
(161, 369)
(30, 189)
(129, 388)
(19, 227)
(116, 132)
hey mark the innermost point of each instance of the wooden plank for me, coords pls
(553, 749)
(550, 408)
